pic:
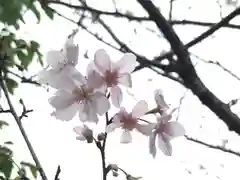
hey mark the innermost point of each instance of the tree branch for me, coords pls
(201, 37)
(186, 70)
(213, 146)
(139, 18)
(18, 121)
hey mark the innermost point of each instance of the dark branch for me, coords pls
(210, 31)
(57, 173)
(186, 70)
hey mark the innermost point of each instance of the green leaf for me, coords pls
(6, 163)
(3, 123)
(11, 85)
(8, 142)
(49, 12)
(17, 178)
(20, 43)
(25, 59)
(35, 48)
(36, 12)
(32, 168)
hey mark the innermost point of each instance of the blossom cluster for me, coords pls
(90, 96)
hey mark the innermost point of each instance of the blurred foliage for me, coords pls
(12, 11)
(16, 55)
(7, 163)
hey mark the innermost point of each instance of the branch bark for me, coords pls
(187, 72)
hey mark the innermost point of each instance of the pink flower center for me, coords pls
(161, 128)
(111, 78)
(129, 123)
(82, 94)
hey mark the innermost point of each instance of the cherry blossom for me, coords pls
(129, 121)
(78, 95)
(62, 63)
(115, 73)
(165, 130)
(84, 133)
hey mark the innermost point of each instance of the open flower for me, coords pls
(115, 73)
(129, 121)
(84, 133)
(165, 130)
(78, 94)
(62, 63)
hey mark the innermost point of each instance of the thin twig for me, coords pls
(57, 173)
(213, 146)
(217, 64)
(18, 121)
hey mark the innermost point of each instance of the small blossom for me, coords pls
(129, 121)
(84, 133)
(165, 130)
(78, 95)
(62, 63)
(115, 73)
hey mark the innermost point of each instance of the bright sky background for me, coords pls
(54, 141)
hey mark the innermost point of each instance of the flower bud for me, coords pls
(101, 137)
(115, 173)
(114, 167)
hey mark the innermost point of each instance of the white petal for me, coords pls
(91, 66)
(126, 137)
(72, 52)
(117, 117)
(66, 114)
(174, 129)
(94, 79)
(57, 80)
(100, 103)
(61, 100)
(55, 59)
(145, 129)
(125, 79)
(78, 129)
(81, 137)
(127, 63)
(46, 76)
(140, 109)
(88, 114)
(102, 60)
(159, 99)
(111, 127)
(164, 145)
(78, 78)
(116, 96)
(152, 145)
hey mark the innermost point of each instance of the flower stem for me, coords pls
(18, 121)
(101, 147)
